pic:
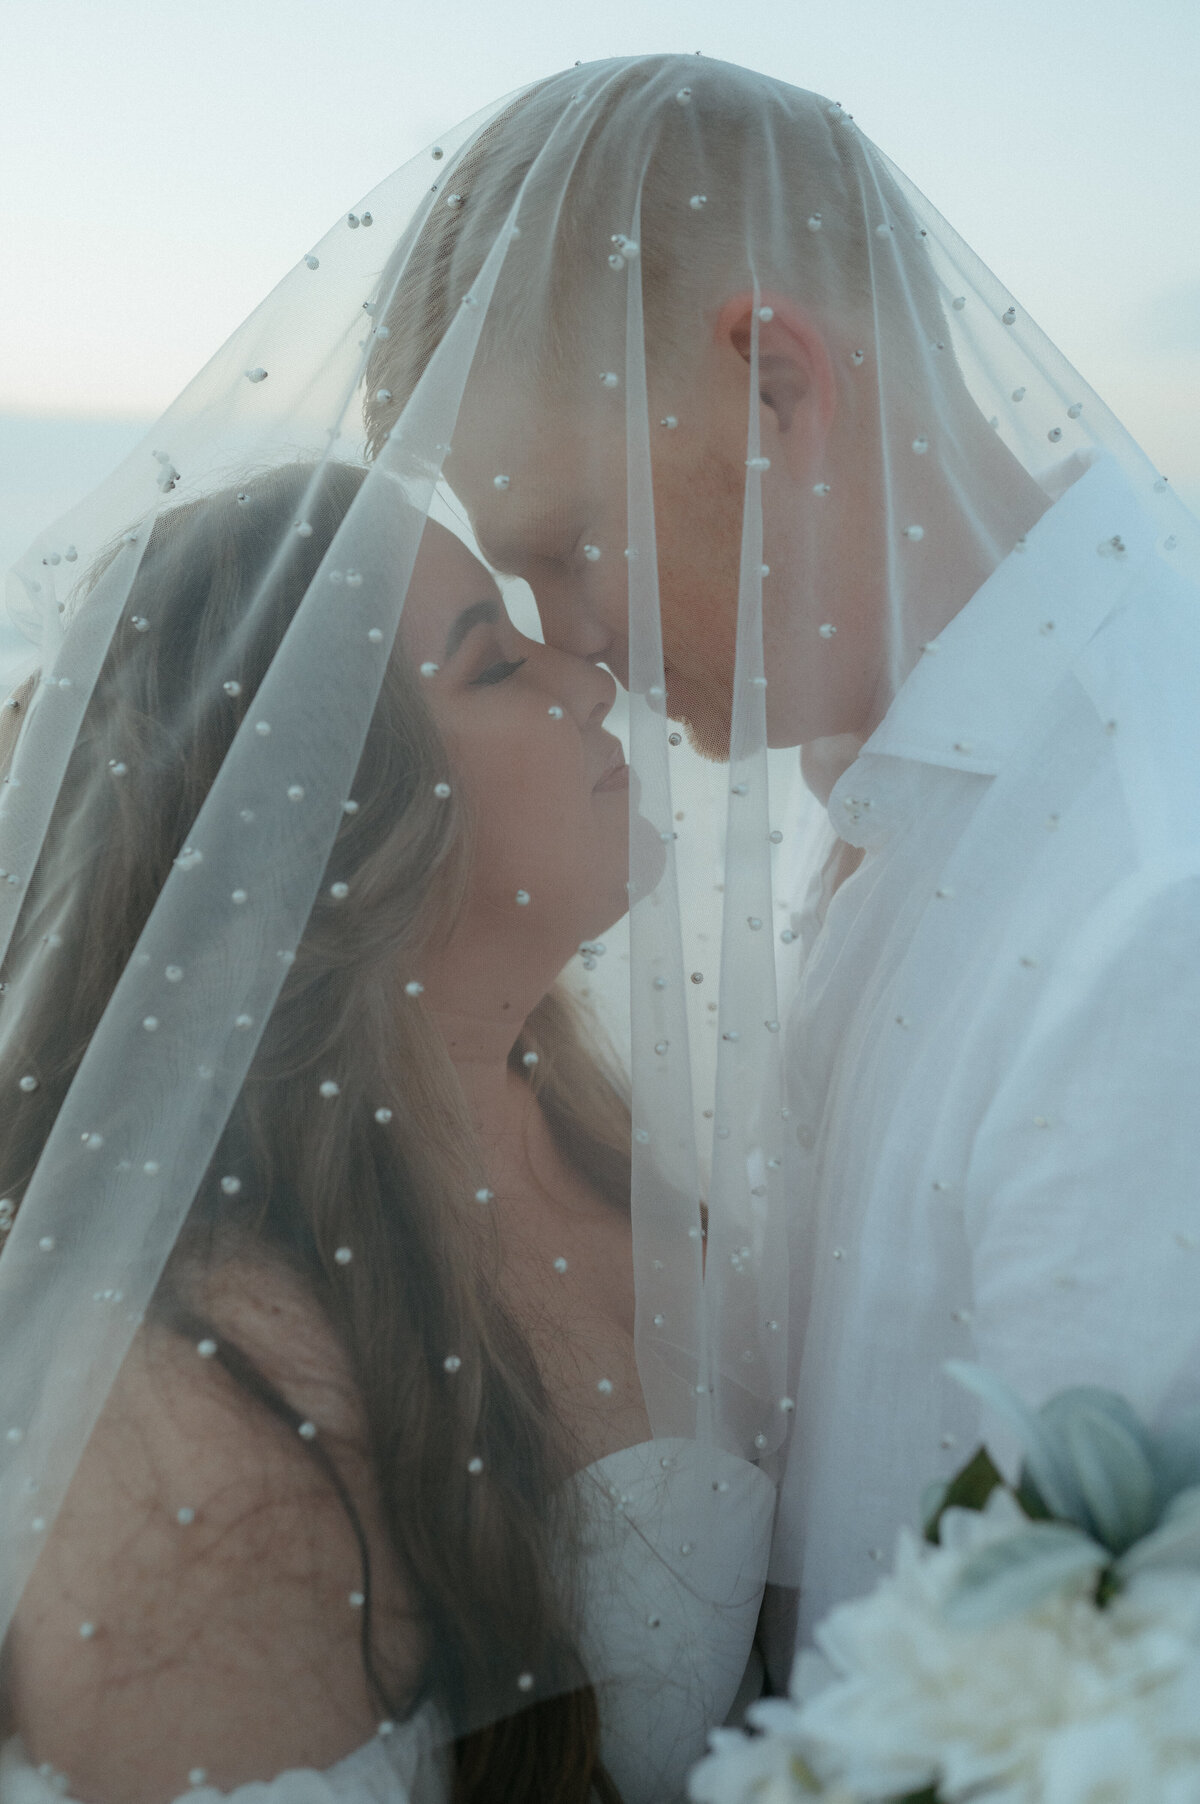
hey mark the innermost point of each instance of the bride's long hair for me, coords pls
(475, 1559)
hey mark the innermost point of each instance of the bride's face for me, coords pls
(546, 788)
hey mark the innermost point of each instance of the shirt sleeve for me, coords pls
(1083, 1197)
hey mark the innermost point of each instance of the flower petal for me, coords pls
(1175, 1453)
(1115, 1475)
(1015, 1574)
(1174, 1543)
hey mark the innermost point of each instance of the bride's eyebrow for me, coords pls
(478, 613)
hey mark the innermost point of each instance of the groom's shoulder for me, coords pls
(1157, 619)
(1141, 674)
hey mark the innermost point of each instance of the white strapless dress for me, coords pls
(673, 1561)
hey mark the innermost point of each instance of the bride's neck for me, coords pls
(478, 997)
(499, 1100)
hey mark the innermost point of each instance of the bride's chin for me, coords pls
(613, 908)
(642, 862)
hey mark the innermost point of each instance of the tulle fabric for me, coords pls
(493, 340)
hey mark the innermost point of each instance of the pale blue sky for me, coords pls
(163, 162)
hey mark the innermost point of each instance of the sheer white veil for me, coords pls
(500, 338)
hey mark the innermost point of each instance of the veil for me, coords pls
(252, 804)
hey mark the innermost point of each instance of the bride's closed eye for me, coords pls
(497, 673)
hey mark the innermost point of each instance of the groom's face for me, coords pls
(565, 500)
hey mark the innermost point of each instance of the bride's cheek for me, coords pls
(515, 787)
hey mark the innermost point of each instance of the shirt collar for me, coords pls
(976, 691)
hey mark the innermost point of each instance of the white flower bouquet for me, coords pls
(1041, 1645)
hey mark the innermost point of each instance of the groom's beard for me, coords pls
(704, 717)
(709, 736)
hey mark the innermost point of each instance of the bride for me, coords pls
(349, 1504)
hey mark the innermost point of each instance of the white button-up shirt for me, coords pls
(994, 1052)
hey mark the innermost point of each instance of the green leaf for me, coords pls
(1031, 1499)
(969, 1489)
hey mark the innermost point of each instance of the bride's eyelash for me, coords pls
(498, 673)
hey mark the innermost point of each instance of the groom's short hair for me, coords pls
(773, 158)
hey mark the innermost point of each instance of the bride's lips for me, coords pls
(616, 779)
(615, 776)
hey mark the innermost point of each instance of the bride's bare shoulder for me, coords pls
(204, 1572)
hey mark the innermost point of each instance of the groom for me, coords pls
(995, 1047)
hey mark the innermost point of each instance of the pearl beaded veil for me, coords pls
(498, 339)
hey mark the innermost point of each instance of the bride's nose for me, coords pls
(580, 686)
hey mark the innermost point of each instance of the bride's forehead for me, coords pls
(447, 580)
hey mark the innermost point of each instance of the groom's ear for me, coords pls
(796, 386)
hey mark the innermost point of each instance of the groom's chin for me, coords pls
(703, 709)
(708, 734)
